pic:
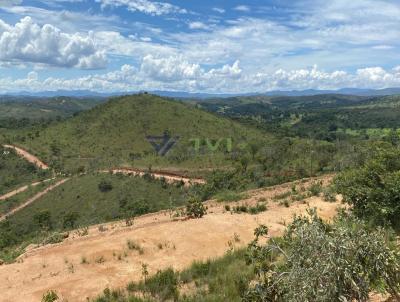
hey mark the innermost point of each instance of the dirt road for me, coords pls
(33, 199)
(170, 178)
(29, 157)
(111, 264)
(23, 189)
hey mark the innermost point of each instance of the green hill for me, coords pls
(16, 172)
(114, 134)
(25, 111)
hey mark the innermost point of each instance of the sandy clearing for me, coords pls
(59, 267)
(23, 189)
(28, 156)
(33, 199)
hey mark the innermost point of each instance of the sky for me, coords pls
(209, 46)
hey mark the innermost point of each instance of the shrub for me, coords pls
(135, 246)
(315, 189)
(329, 194)
(50, 296)
(105, 186)
(373, 189)
(43, 219)
(316, 261)
(195, 208)
(260, 207)
(70, 219)
(55, 238)
(163, 285)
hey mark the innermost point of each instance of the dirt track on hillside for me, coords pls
(28, 156)
(33, 199)
(23, 189)
(59, 267)
(169, 177)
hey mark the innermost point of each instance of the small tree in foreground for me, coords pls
(195, 208)
(316, 261)
(373, 191)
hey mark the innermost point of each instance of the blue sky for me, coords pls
(198, 46)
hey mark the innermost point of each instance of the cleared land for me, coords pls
(112, 264)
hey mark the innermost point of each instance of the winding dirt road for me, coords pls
(28, 156)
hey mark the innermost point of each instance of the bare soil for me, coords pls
(111, 264)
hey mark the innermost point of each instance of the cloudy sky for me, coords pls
(198, 46)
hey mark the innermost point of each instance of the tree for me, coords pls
(195, 208)
(105, 186)
(316, 261)
(373, 190)
(43, 219)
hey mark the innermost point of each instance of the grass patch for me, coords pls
(222, 279)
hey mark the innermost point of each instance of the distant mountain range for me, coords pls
(182, 94)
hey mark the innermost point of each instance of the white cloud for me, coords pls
(5, 3)
(218, 10)
(169, 69)
(198, 25)
(242, 8)
(27, 42)
(145, 6)
(173, 73)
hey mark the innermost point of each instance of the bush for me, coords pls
(70, 219)
(195, 208)
(50, 296)
(315, 188)
(316, 261)
(43, 219)
(373, 190)
(105, 186)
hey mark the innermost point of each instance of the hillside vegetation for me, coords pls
(324, 117)
(16, 172)
(16, 112)
(115, 133)
(84, 201)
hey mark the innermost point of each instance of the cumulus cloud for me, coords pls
(29, 42)
(198, 25)
(174, 73)
(242, 8)
(145, 6)
(169, 69)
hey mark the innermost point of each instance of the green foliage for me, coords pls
(105, 186)
(50, 296)
(43, 219)
(195, 208)
(315, 188)
(373, 189)
(70, 219)
(316, 261)
(16, 172)
(222, 279)
(82, 141)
